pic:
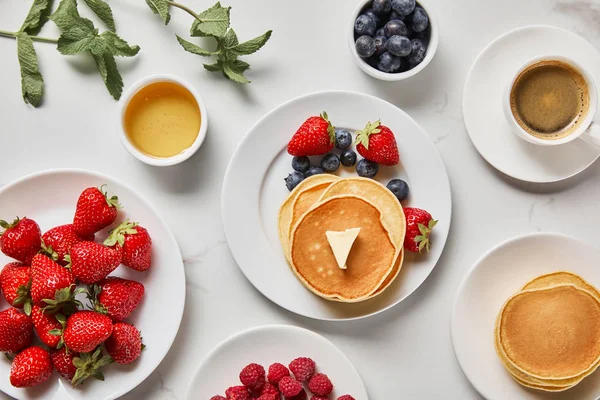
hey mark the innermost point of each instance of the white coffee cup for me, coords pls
(588, 130)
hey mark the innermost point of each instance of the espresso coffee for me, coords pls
(550, 99)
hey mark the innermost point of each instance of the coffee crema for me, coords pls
(550, 99)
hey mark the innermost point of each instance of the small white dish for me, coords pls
(484, 116)
(254, 190)
(161, 161)
(49, 198)
(267, 345)
(496, 276)
(394, 77)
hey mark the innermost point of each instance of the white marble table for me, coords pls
(406, 350)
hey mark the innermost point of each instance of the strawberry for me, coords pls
(377, 143)
(124, 344)
(91, 261)
(63, 362)
(419, 224)
(16, 331)
(21, 239)
(316, 136)
(95, 211)
(46, 278)
(135, 242)
(14, 281)
(48, 327)
(30, 367)
(59, 241)
(85, 330)
(89, 364)
(116, 297)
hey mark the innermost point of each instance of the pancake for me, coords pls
(559, 278)
(370, 261)
(286, 210)
(551, 333)
(391, 277)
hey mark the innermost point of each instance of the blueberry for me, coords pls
(399, 188)
(330, 163)
(348, 158)
(382, 7)
(418, 20)
(293, 180)
(395, 27)
(380, 45)
(343, 139)
(394, 15)
(365, 46)
(364, 25)
(399, 46)
(300, 164)
(403, 7)
(366, 168)
(313, 171)
(389, 63)
(418, 52)
(375, 17)
(380, 32)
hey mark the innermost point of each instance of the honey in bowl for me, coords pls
(162, 119)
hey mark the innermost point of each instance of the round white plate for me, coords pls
(267, 345)
(482, 105)
(499, 274)
(254, 189)
(50, 198)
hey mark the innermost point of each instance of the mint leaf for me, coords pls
(32, 83)
(98, 46)
(230, 39)
(66, 15)
(118, 46)
(215, 22)
(110, 74)
(103, 11)
(37, 16)
(251, 46)
(192, 48)
(76, 39)
(160, 7)
(233, 72)
(214, 67)
(241, 65)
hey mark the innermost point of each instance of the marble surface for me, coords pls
(403, 353)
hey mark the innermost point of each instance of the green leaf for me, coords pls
(103, 11)
(217, 67)
(230, 39)
(241, 65)
(192, 48)
(37, 16)
(118, 46)
(160, 7)
(76, 39)
(251, 46)
(110, 74)
(66, 15)
(32, 83)
(215, 22)
(232, 72)
(98, 46)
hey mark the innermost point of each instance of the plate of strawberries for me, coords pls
(293, 155)
(89, 272)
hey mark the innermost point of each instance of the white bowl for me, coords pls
(161, 161)
(398, 76)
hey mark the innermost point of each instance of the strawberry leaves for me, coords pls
(423, 239)
(362, 137)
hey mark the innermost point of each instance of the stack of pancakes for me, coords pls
(324, 203)
(548, 334)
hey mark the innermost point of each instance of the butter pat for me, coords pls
(341, 244)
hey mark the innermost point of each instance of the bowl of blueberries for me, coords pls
(393, 39)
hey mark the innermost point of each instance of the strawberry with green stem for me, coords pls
(90, 261)
(315, 136)
(58, 241)
(90, 365)
(115, 297)
(377, 143)
(95, 211)
(85, 330)
(15, 282)
(21, 239)
(135, 243)
(47, 278)
(419, 224)
(124, 344)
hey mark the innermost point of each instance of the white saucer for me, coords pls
(484, 117)
(499, 274)
(267, 345)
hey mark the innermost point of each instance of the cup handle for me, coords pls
(592, 135)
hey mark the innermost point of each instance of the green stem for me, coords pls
(186, 9)
(34, 38)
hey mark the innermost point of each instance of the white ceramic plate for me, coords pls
(482, 104)
(50, 198)
(267, 345)
(493, 279)
(254, 190)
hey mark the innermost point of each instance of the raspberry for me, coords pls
(253, 377)
(276, 372)
(346, 397)
(303, 368)
(269, 396)
(238, 393)
(269, 389)
(289, 387)
(317, 397)
(301, 396)
(320, 384)
(217, 397)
